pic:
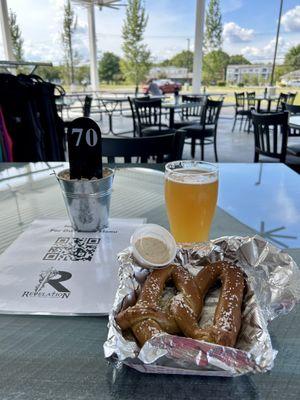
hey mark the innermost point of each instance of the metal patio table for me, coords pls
(172, 107)
(47, 357)
(294, 121)
(112, 105)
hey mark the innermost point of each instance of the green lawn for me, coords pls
(227, 90)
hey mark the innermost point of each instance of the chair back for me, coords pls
(291, 97)
(271, 133)
(194, 111)
(211, 113)
(86, 110)
(148, 112)
(167, 147)
(134, 116)
(251, 100)
(239, 100)
(292, 109)
(282, 99)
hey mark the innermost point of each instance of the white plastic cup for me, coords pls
(156, 232)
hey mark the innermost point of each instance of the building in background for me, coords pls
(248, 74)
(291, 79)
(176, 74)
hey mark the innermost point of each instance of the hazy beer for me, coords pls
(191, 191)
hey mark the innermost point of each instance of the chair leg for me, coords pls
(235, 117)
(193, 145)
(215, 149)
(249, 125)
(241, 124)
(256, 156)
(202, 149)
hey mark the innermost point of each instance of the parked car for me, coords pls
(165, 85)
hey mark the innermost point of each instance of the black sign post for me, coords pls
(85, 149)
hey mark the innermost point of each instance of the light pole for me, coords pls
(276, 43)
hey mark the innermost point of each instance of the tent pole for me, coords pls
(198, 50)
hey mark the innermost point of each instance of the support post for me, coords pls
(198, 50)
(276, 43)
(7, 41)
(93, 48)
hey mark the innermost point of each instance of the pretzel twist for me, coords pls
(147, 317)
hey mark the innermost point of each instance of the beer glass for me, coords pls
(191, 191)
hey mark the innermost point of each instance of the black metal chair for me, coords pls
(271, 134)
(133, 113)
(293, 109)
(282, 99)
(86, 109)
(149, 117)
(163, 148)
(206, 131)
(190, 115)
(240, 110)
(291, 98)
(293, 149)
(251, 104)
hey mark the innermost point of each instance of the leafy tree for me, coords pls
(214, 66)
(51, 74)
(109, 67)
(184, 59)
(292, 58)
(165, 63)
(213, 27)
(136, 62)
(69, 28)
(16, 36)
(279, 71)
(238, 59)
(82, 75)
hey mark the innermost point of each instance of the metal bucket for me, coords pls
(87, 201)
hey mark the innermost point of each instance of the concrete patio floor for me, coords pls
(233, 147)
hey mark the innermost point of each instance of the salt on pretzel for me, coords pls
(147, 317)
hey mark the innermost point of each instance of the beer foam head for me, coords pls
(192, 176)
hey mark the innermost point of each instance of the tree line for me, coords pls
(134, 66)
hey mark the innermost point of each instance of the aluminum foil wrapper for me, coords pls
(273, 288)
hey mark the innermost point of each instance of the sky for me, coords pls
(249, 28)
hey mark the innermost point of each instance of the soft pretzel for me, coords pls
(148, 317)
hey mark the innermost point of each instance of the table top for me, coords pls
(180, 105)
(204, 94)
(62, 358)
(294, 121)
(113, 99)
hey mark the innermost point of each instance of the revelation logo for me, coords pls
(51, 279)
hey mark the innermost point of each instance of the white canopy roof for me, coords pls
(200, 12)
(99, 3)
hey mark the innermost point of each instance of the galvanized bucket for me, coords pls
(87, 201)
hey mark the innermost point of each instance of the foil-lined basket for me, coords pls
(272, 289)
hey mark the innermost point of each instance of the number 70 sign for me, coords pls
(85, 149)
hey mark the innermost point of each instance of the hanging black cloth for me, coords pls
(32, 120)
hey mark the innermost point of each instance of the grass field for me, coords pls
(228, 91)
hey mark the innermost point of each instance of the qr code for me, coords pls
(72, 249)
